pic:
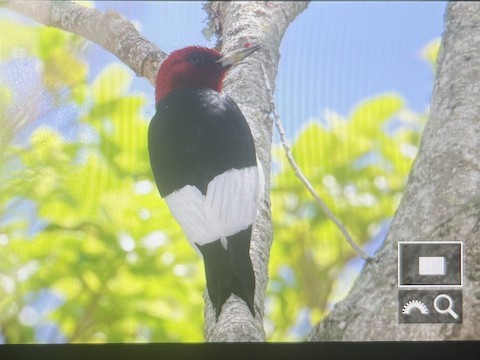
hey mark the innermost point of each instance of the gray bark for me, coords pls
(262, 23)
(441, 201)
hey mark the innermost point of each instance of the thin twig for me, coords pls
(303, 179)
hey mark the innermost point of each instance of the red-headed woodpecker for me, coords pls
(204, 163)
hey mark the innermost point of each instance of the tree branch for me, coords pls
(441, 201)
(109, 30)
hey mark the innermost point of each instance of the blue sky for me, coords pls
(334, 55)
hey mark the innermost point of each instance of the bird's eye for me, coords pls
(197, 59)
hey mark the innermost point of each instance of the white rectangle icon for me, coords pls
(431, 265)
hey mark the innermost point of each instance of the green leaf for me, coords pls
(5, 125)
(310, 149)
(5, 97)
(63, 69)
(111, 83)
(368, 117)
(50, 39)
(430, 52)
(16, 36)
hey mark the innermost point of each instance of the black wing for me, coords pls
(195, 135)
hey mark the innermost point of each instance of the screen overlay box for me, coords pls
(429, 264)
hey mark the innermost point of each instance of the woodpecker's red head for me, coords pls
(196, 66)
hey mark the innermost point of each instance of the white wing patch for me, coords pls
(229, 206)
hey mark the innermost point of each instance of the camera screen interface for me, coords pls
(95, 249)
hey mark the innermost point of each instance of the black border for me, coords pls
(451, 350)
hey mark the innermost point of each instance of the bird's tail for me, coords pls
(229, 270)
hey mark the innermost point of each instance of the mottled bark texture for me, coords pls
(441, 200)
(262, 23)
(235, 23)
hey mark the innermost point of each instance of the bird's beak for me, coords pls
(235, 56)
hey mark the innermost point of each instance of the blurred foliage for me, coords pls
(90, 253)
(106, 250)
(430, 52)
(359, 166)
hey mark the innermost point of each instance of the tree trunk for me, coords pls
(441, 201)
(262, 23)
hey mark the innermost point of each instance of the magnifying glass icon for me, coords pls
(448, 309)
